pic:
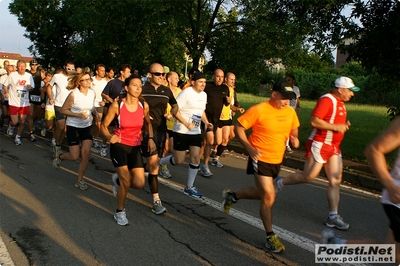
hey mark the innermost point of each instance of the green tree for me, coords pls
(373, 25)
(46, 24)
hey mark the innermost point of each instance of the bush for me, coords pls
(244, 86)
(376, 89)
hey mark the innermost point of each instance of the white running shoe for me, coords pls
(216, 163)
(120, 218)
(18, 140)
(205, 170)
(103, 152)
(10, 130)
(165, 173)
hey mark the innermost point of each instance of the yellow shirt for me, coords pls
(226, 113)
(271, 128)
(170, 123)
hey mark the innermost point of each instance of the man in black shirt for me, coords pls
(157, 96)
(217, 97)
(36, 98)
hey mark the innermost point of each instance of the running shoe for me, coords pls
(165, 173)
(329, 237)
(337, 222)
(228, 201)
(114, 179)
(57, 160)
(205, 170)
(103, 151)
(120, 218)
(18, 140)
(55, 150)
(288, 149)
(192, 192)
(158, 208)
(274, 244)
(10, 130)
(213, 153)
(32, 137)
(81, 185)
(43, 132)
(276, 185)
(96, 144)
(53, 142)
(216, 163)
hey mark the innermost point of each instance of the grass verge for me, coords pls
(367, 122)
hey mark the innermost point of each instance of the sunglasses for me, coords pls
(70, 69)
(157, 74)
(88, 79)
(34, 64)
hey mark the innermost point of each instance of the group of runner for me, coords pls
(154, 119)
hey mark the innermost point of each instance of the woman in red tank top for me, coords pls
(131, 113)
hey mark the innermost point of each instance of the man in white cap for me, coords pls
(329, 123)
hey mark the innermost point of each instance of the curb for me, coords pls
(355, 178)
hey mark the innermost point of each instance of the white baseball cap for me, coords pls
(346, 83)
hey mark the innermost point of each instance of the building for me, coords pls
(342, 57)
(274, 65)
(13, 58)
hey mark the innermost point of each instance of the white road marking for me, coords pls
(293, 238)
(5, 258)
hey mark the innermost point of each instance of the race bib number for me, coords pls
(35, 98)
(196, 120)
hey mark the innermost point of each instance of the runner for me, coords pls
(125, 143)
(272, 123)
(323, 147)
(16, 88)
(78, 108)
(157, 96)
(61, 92)
(192, 103)
(172, 79)
(217, 97)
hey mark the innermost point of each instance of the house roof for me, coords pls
(14, 56)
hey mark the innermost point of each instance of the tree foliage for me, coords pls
(241, 35)
(116, 32)
(46, 26)
(373, 25)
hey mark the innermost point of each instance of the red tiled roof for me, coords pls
(14, 56)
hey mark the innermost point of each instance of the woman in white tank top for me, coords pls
(78, 108)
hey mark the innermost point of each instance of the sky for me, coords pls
(12, 38)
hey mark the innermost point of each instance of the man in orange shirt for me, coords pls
(272, 123)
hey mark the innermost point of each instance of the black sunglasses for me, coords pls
(157, 74)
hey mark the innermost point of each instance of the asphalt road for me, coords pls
(45, 220)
